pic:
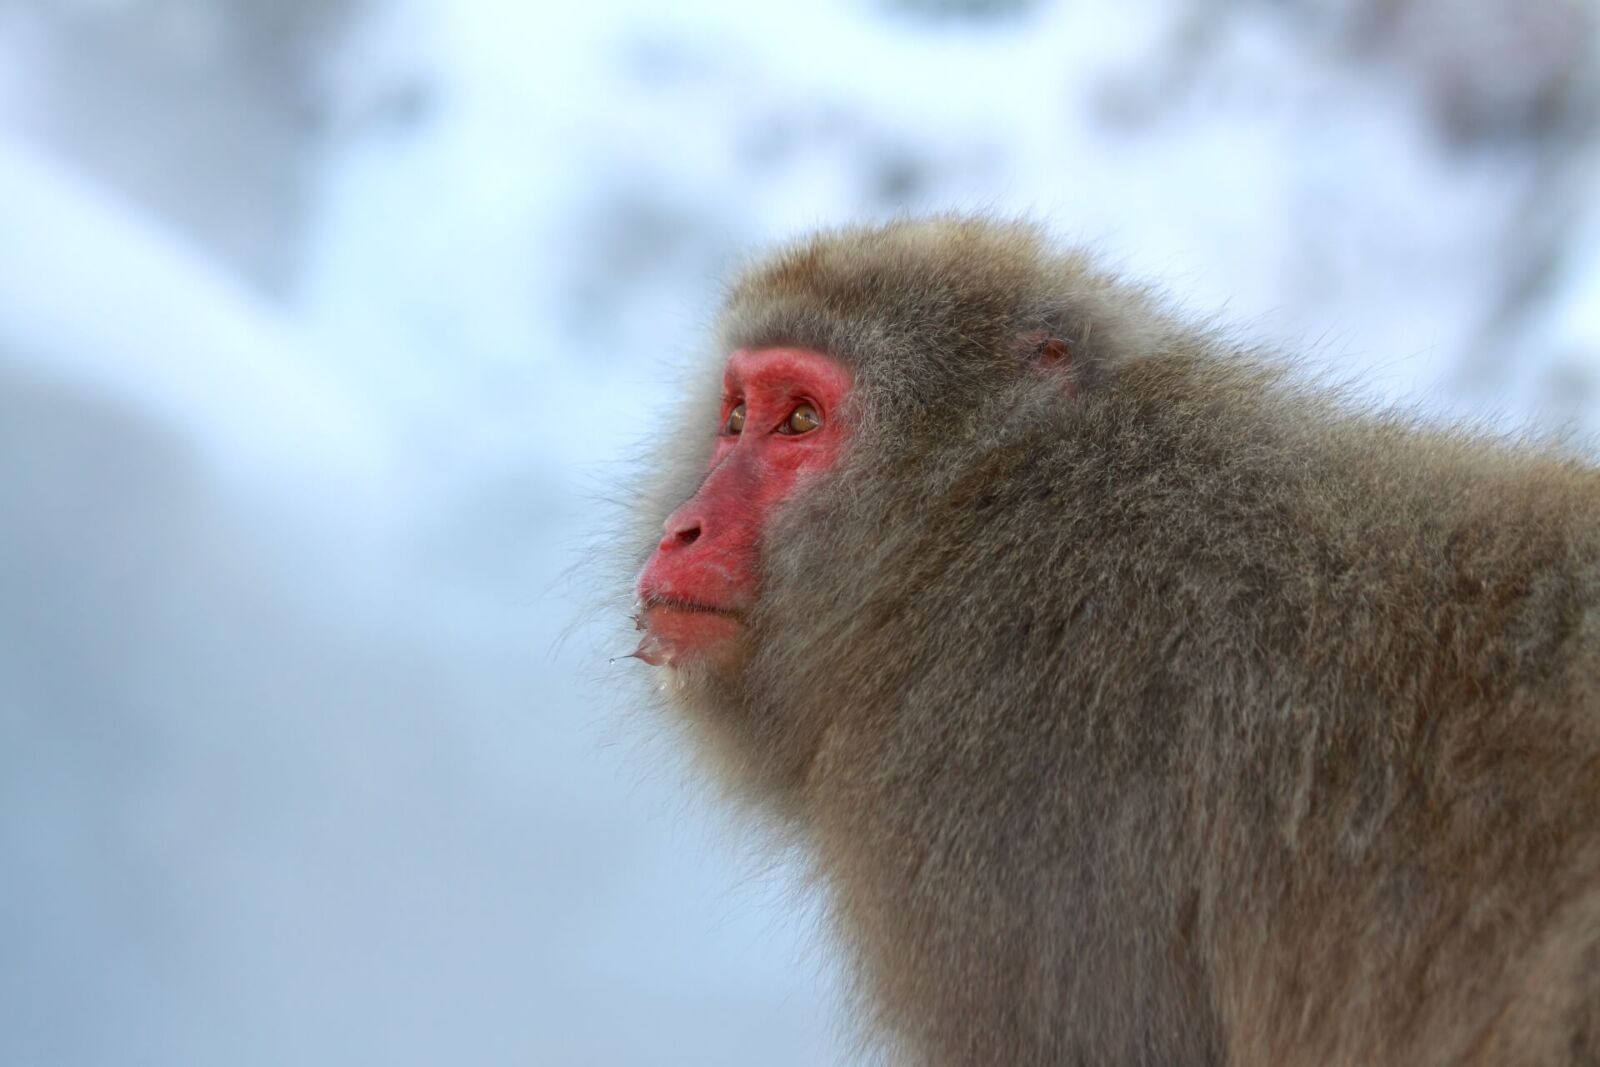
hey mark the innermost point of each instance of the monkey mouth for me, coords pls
(679, 631)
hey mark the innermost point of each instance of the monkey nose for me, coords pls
(681, 531)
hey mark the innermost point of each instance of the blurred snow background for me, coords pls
(327, 326)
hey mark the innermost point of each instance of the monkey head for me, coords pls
(852, 364)
(778, 423)
(809, 519)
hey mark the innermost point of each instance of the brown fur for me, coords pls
(1142, 707)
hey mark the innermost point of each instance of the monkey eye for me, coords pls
(735, 422)
(802, 419)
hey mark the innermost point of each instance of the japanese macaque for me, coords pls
(1138, 704)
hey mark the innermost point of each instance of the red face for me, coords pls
(779, 409)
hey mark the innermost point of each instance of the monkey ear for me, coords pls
(1049, 352)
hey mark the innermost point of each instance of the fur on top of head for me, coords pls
(932, 308)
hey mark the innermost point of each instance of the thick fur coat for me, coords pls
(1141, 706)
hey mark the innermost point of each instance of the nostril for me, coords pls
(681, 532)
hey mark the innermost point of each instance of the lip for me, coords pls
(667, 602)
